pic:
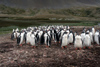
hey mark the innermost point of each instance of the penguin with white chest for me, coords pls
(96, 37)
(87, 41)
(33, 40)
(47, 40)
(71, 37)
(28, 37)
(78, 42)
(91, 36)
(83, 35)
(64, 40)
(21, 38)
(13, 35)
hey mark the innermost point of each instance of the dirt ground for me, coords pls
(13, 56)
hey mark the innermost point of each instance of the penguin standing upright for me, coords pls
(56, 37)
(14, 34)
(64, 40)
(91, 36)
(62, 32)
(70, 37)
(47, 39)
(96, 37)
(28, 37)
(37, 37)
(93, 30)
(78, 42)
(20, 38)
(33, 40)
(83, 35)
(42, 38)
(87, 41)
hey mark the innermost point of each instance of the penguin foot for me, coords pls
(76, 48)
(59, 42)
(21, 44)
(28, 43)
(69, 44)
(34, 46)
(80, 48)
(47, 46)
(62, 47)
(84, 47)
(65, 46)
(89, 47)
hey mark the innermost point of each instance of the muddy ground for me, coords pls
(26, 56)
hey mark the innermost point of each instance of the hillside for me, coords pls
(88, 13)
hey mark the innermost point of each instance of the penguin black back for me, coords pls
(42, 38)
(56, 35)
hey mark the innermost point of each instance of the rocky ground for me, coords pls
(26, 56)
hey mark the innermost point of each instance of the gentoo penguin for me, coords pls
(68, 27)
(70, 37)
(87, 41)
(37, 37)
(28, 36)
(56, 36)
(15, 34)
(40, 34)
(93, 30)
(64, 40)
(42, 38)
(78, 42)
(91, 36)
(12, 35)
(62, 32)
(47, 39)
(84, 29)
(96, 37)
(33, 40)
(17, 29)
(83, 35)
(21, 38)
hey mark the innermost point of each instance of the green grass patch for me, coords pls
(9, 28)
(5, 32)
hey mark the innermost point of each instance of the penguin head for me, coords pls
(65, 32)
(87, 32)
(83, 31)
(71, 31)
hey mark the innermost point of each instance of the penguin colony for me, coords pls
(61, 35)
